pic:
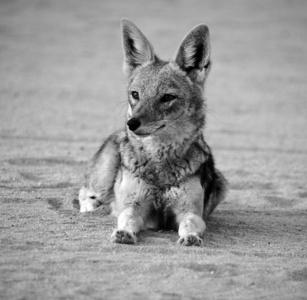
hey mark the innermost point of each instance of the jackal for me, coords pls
(159, 172)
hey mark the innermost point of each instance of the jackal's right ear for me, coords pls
(194, 51)
(137, 49)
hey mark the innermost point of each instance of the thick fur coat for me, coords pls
(159, 172)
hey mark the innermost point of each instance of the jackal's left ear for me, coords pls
(137, 49)
(194, 51)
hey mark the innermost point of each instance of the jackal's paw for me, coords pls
(123, 236)
(87, 200)
(190, 239)
(88, 205)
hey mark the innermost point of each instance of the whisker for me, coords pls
(119, 103)
(123, 105)
(213, 114)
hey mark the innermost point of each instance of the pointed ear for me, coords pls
(194, 51)
(137, 49)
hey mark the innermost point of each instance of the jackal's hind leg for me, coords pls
(88, 200)
(100, 176)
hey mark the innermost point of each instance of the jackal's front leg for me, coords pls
(129, 223)
(191, 230)
(189, 208)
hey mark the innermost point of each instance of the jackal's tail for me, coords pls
(215, 192)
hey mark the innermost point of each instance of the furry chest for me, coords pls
(133, 190)
(159, 173)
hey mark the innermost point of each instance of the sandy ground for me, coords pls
(62, 92)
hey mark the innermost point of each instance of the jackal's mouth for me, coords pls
(141, 133)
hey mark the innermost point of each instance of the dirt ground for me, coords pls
(62, 91)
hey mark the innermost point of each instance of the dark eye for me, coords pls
(168, 98)
(135, 95)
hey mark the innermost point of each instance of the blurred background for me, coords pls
(61, 76)
(61, 63)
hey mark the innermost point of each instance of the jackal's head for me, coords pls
(165, 98)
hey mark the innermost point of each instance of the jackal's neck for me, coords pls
(164, 164)
(159, 150)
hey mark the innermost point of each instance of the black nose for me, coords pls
(133, 124)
